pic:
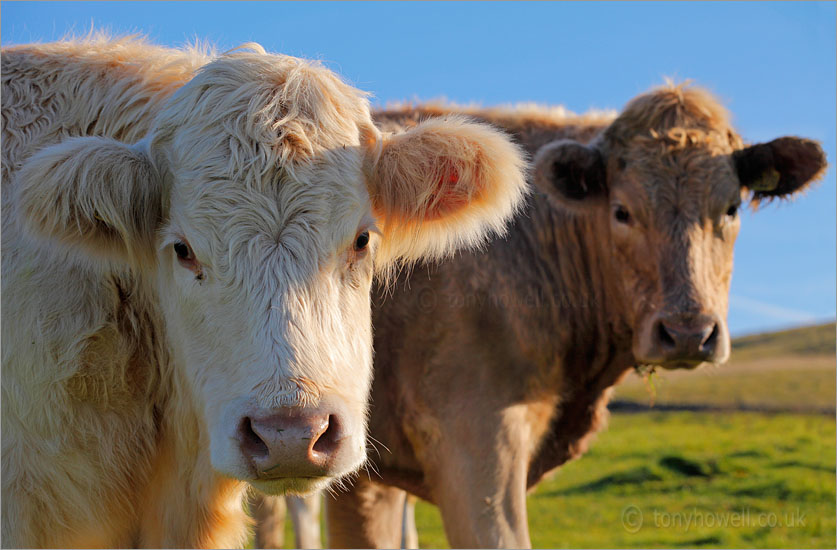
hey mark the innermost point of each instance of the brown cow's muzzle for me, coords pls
(683, 341)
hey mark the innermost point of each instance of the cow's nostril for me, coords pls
(327, 442)
(291, 442)
(708, 345)
(666, 339)
(251, 443)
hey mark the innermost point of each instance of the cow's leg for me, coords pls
(368, 516)
(305, 513)
(479, 481)
(409, 533)
(269, 514)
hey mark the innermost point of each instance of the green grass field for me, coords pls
(687, 479)
(732, 478)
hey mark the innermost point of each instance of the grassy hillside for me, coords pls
(805, 341)
(657, 480)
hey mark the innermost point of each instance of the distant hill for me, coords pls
(811, 340)
(786, 371)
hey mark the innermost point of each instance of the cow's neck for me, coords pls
(563, 285)
(587, 336)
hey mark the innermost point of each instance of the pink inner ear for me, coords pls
(448, 196)
(452, 177)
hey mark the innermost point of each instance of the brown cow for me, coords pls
(495, 368)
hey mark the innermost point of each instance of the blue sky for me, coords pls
(771, 63)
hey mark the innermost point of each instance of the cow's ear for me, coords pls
(94, 193)
(779, 168)
(571, 173)
(442, 185)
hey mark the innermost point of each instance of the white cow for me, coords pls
(188, 247)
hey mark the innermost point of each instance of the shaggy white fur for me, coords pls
(129, 365)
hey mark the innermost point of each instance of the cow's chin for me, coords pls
(683, 364)
(291, 485)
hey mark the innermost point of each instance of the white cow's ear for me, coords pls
(445, 184)
(95, 193)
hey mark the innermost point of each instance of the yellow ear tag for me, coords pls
(768, 181)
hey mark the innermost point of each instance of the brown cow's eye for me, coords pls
(732, 211)
(361, 241)
(622, 215)
(182, 250)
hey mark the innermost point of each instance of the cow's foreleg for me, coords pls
(269, 515)
(479, 483)
(367, 516)
(305, 514)
(409, 532)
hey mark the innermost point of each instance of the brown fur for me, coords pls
(494, 368)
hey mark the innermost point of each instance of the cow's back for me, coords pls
(87, 88)
(80, 338)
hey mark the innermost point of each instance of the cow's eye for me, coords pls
(362, 241)
(183, 251)
(621, 214)
(186, 258)
(732, 211)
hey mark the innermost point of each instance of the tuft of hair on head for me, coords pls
(446, 184)
(265, 111)
(668, 107)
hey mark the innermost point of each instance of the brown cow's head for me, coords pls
(666, 179)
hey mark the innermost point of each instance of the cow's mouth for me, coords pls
(682, 364)
(677, 364)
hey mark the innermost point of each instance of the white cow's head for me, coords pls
(262, 203)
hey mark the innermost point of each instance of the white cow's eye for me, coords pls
(186, 258)
(362, 241)
(182, 250)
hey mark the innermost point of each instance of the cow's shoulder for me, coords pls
(532, 125)
(90, 331)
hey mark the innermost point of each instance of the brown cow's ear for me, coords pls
(570, 172)
(779, 168)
